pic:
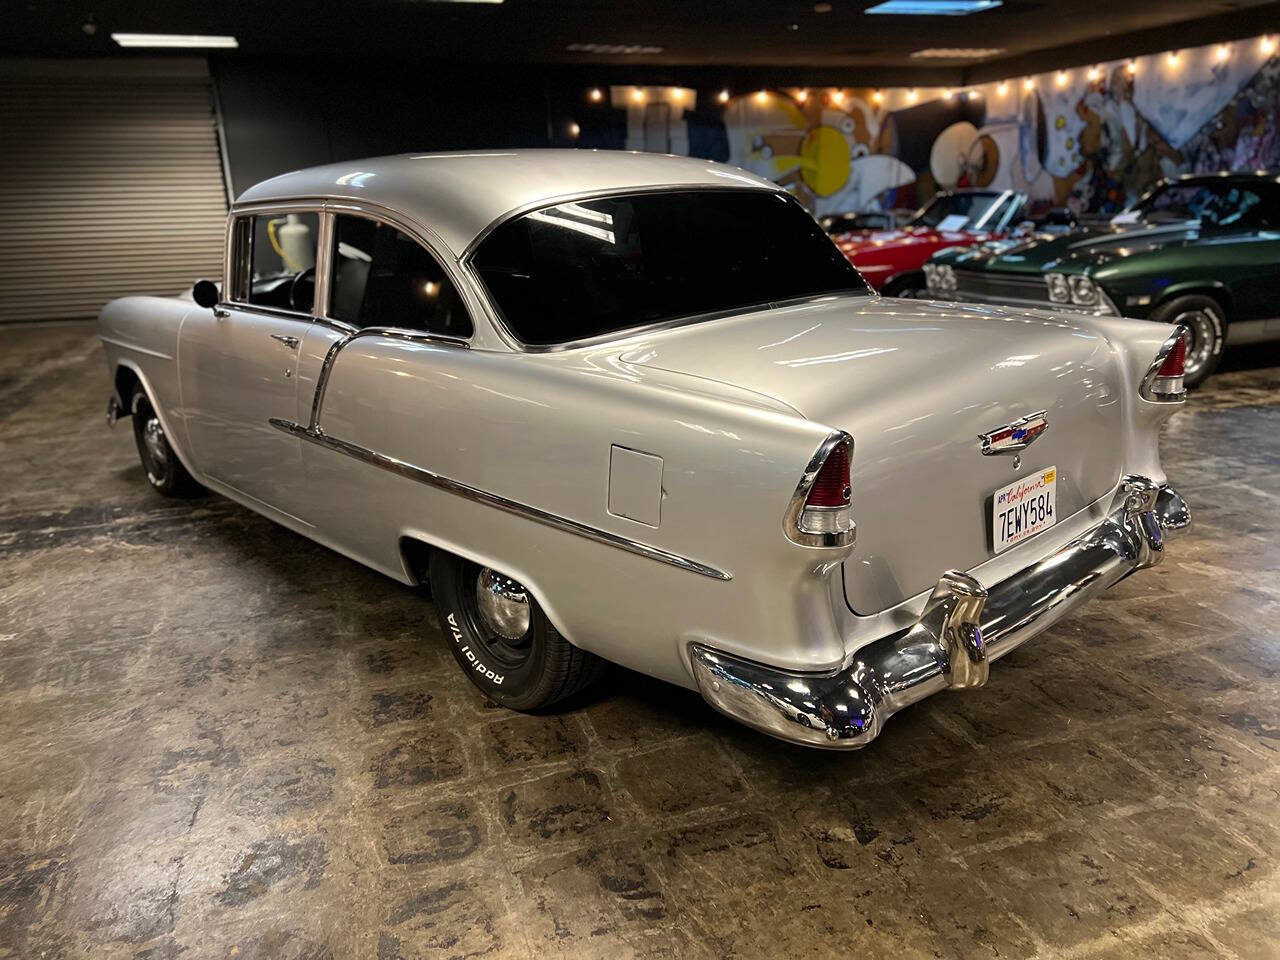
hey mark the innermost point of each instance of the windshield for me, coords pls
(593, 267)
(1227, 205)
(955, 211)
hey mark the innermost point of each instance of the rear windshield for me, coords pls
(593, 267)
(955, 211)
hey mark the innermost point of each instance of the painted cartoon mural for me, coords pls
(1091, 139)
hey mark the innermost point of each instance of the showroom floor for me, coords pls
(218, 739)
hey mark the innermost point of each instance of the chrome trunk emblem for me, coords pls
(1015, 436)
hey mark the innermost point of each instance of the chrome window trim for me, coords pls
(475, 494)
(508, 335)
(331, 355)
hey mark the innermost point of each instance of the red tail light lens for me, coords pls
(820, 514)
(831, 486)
(1175, 361)
(1164, 382)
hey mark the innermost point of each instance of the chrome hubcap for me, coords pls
(153, 437)
(1201, 333)
(503, 604)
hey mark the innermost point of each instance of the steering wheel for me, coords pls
(302, 291)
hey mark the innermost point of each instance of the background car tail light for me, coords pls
(821, 512)
(1164, 382)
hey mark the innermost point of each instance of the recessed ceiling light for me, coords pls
(623, 48)
(959, 53)
(173, 40)
(933, 8)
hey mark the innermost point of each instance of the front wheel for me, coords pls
(1206, 333)
(165, 471)
(502, 639)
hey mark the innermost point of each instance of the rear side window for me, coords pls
(383, 277)
(274, 260)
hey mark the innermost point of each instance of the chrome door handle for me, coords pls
(289, 342)
(220, 314)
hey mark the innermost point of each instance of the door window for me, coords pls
(274, 260)
(382, 277)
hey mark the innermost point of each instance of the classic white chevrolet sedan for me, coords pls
(640, 409)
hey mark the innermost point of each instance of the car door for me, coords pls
(384, 285)
(238, 362)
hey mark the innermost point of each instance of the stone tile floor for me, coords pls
(220, 740)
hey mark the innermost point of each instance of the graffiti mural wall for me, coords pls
(1091, 139)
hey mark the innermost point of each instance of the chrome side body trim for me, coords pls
(963, 628)
(395, 333)
(431, 479)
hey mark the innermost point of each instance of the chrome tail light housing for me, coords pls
(1164, 382)
(820, 513)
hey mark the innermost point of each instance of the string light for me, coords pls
(1224, 51)
(596, 95)
(802, 96)
(676, 94)
(1062, 78)
(574, 130)
(723, 96)
(637, 95)
(1003, 88)
(912, 94)
(1094, 73)
(947, 93)
(1268, 45)
(877, 97)
(1131, 68)
(837, 96)
(1028, 84)
(1173, 58)
(762, 96)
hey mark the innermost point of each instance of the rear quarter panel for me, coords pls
(538, 429)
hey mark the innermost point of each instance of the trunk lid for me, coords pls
(915, 384)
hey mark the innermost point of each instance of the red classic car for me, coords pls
(892, 260)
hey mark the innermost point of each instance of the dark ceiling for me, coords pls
(779, 35)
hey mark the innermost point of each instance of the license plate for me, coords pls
(1024, 508)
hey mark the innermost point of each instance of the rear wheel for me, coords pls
(1206, 333)
(165, 471)
(502, 639)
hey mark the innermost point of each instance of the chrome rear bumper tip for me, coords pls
(962, 628)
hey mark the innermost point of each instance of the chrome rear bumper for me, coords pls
(963, 628)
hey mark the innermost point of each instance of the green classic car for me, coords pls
(1202, 251)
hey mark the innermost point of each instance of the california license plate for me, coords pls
(1024, 508)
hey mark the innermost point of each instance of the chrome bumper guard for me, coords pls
(963, 628)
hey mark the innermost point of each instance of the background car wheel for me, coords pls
(164, 470)
(1206, 330)
(502, 639)
(910, 286)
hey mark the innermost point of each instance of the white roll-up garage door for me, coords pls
(111, 183)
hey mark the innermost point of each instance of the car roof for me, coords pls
(459, 195)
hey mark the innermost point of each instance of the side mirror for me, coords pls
(205, 293)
